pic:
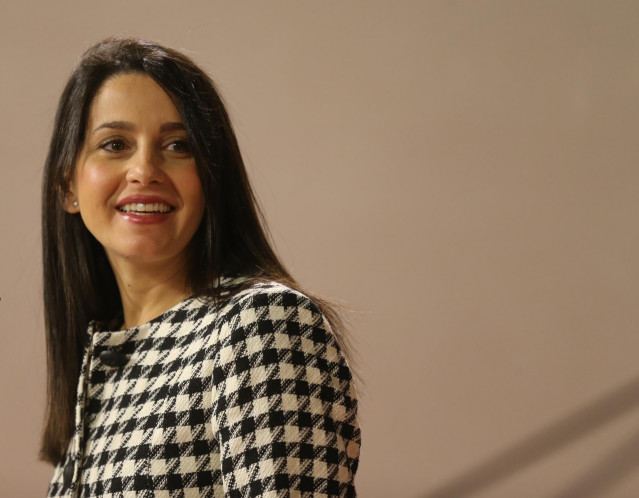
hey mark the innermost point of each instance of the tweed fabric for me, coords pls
(250, 399)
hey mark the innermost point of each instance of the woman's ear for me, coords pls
(71, 204)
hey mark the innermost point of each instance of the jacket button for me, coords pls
(68, 473)
(112, 358)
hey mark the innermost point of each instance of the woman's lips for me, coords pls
(144, 209)
(145, 218)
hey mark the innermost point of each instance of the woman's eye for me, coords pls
(181, 146)
(113, 145)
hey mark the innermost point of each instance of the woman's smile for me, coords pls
(144, 209)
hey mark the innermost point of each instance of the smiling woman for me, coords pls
(136, 158)
(183, 358)
(137, 189)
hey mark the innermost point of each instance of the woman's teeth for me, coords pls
(138, 208)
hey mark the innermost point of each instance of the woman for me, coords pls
(183, 360)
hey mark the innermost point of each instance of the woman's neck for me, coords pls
(149, 290)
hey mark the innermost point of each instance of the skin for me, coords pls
(136, 145)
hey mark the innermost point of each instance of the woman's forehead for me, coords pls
(134, 98)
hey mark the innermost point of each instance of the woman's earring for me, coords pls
(75, 204)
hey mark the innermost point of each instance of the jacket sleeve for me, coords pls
(284, 403)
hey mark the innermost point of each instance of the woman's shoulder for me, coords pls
(270, 301)
(267, 311)
(265, 293)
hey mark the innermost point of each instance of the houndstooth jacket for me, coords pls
(250, 399)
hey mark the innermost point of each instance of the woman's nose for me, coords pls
(145, 167)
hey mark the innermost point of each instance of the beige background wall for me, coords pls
(465, 173)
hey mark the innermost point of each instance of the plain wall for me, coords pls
(463, 173)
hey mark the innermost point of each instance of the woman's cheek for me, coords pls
(97, 181)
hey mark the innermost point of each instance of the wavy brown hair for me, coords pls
(79, 284)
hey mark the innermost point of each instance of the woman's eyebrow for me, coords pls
(118, 125)
(125, 125)
(172, 126)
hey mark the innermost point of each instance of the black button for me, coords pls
(113, 358)
(68, 473)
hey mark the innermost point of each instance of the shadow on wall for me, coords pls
(553, 438)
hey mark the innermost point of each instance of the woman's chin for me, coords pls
(143, 254)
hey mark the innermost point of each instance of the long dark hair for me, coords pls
(79, 284)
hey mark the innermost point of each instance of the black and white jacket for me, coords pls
(252, 399)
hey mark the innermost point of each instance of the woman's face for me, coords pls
(135, 180)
